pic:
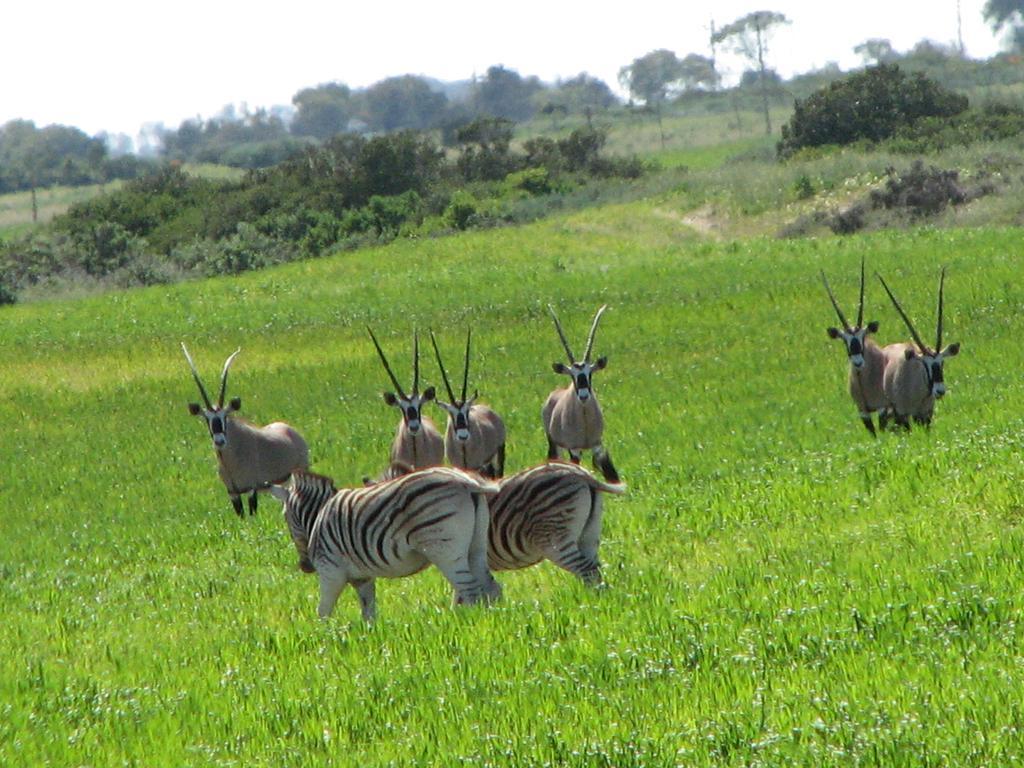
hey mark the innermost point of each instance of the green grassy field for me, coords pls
(783, 590)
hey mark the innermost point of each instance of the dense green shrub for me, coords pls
(871, 105)
(932, 134)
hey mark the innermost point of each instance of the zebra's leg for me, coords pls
(568, 555)
(865, 416)
(331, 585)
(552, 449)
(459, 573)
(236, 502)
(590, 538)
(478, 551)
(603, 461)
(252, 503)
(367, 591)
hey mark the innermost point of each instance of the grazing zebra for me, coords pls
(417, 441)
(551, 511)
(391, 529)
(475, 437)
(571, 415)
(248, 457)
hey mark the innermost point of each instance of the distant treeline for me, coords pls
(351, 190)
(43, 157)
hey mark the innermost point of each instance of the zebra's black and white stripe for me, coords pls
(552, 511)
(391, 529)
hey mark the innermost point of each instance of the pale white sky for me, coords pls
(116, 64)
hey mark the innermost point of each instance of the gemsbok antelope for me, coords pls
(475, 437)
(248, 457)
(571, 415)
(391, 529)
(914, 379)
(867, 360)
(550, 511)
(417, 442)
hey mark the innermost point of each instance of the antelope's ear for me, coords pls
(235, 404)
(428, 394)
(952, 350)
(910, 353)
(833, 333)
(601, 364)
(194, 409)
(873, 326)
(560, 368)
(279, 492)
(390, 399)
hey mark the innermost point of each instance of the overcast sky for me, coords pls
(115, 64)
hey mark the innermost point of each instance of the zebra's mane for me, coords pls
(304, 482)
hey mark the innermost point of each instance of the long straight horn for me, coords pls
(831, 296)
(561, 334)
(398, 387)
(224, 377)
(910, 326)
(195, 375)
(444, 373)
(938, 329)
(593, 330)
(860, 305)
(415, 362)
(465, 374)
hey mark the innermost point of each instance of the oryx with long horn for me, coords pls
(475, 437)
(914, 378)
(249, 458)
(417, 442)
(571, 415)
(867, 359)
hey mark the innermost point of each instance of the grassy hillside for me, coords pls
(782, 589)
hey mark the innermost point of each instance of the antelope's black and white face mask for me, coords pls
(411, 407)
(582, 376)
(217, 420)
(854, 340)
(933, 367)
(459, 416)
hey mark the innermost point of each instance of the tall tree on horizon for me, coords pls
(650, 78)
(748, 36)
(1007, 14)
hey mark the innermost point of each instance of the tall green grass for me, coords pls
(783, 590)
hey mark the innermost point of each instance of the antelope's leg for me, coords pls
(499, 462)
(603, 461)
(884, 416)
(865, 416)
(552, 449)
(574, 456)
(252, 503)
(367, 591)
(236, 502)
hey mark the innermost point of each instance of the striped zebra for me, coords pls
(551, 511)
(392, 529)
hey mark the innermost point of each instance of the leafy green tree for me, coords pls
(874, 104)
(322, 111)
(697, 72)
(1009, 15)
(504, 93)
(650, 78)
(403, 102)
(749, 37)
(875, 51)
(582, 93)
